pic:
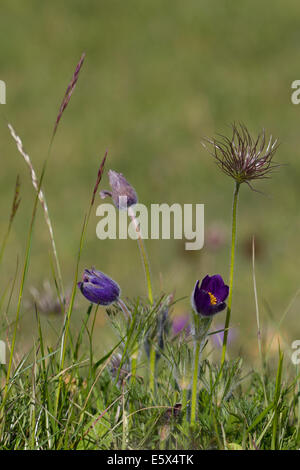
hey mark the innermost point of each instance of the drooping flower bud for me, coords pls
(122, 193)
(99, 288)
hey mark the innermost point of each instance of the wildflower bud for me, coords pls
(208, 299)
(122, 193)
(99, 288)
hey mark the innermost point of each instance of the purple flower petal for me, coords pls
(99, 288)
(209, 298)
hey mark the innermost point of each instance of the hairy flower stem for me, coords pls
(195, 383)
(143, 254)
(233, 242)
(150, 295)
(201, 327)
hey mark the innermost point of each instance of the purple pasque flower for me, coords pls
(98, 288)
(209, 298)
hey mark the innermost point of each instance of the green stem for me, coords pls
(201, 328)
(133, 363)
(143, 254)
(298, 402)
(233, 241)
(125, 310)
(142, 248)
(4, 242)
(152, 368)
(133, 369)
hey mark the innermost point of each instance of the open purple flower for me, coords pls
(209, 298)
(99, 288)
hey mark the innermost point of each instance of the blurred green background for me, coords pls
(158, 77)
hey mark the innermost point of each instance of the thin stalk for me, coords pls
(66, 324)
(125, 310)
(42, 200)
(195, 382)
(152, 361)
(67, 318)
(298, 401)
(233, 242)
(258, 322)
(152, 358)
(125, 422)
(133, 369)
(14, 208)
(20, 296)
(33, 404)
(201, 328)
(274, 441)
(143, 254)
(3, 246)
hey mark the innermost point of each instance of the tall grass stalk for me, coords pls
(15, 206)
(42, 200)
(66, 325)
(274, 443)
(20, 296)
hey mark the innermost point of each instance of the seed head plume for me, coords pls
(243, 158)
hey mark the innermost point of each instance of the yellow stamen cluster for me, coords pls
(213, 299)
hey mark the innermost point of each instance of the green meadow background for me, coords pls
(158, 77)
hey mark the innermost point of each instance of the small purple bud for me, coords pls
(99, 288)
(122, 193)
